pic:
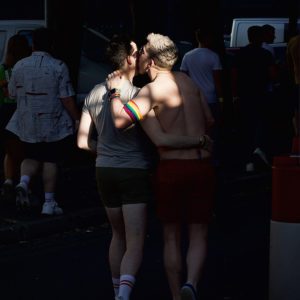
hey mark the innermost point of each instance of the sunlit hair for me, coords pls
(162, 50)
(17, 48)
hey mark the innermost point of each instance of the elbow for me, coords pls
(159, 141)
(80, 144)
(120, 123)
(81, 141)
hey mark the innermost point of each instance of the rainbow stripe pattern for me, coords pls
(133, 111)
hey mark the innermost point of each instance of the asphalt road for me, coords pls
(73, 264)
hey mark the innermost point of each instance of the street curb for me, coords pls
(15, 230)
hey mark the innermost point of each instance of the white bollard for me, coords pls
(284, 267)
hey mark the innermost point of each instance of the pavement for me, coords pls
(238, 239)
(76, 194)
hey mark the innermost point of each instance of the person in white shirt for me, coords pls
(45, 118)
(204, 67)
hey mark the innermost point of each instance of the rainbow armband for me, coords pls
(133, 111)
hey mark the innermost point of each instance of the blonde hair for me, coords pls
(162, 50)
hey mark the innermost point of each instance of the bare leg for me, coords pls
(196, 253)
(135, 227)
(12, 159)
(30, 167)
(117, 245)
(172, 257)
(49, 177)
(127, 244)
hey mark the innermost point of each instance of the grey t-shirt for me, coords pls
(119, 148)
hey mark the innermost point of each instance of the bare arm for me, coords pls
(217, 74)
(71, 107)
(125, 115)
(209, 119)
(154, 130)
(143, 104)
(84, 140)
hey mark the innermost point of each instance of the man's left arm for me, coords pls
(153, 129)
(134, 110)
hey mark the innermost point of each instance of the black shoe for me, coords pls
(260, 164)
(8, 193)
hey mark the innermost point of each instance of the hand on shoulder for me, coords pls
(115, 80)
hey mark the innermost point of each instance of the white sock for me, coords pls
(8, 181)
(25, 179)
(49, 197)
(116, 284)
(126, 285)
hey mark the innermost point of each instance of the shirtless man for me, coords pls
(185, 177)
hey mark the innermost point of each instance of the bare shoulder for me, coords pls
(184, 81)
(181, 76)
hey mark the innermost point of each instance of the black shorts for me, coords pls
(119, 186)
(49, 152)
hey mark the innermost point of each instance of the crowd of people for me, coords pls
(156, 144)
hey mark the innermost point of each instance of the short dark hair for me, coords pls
(255, 34)
(118, 49)
(203, 35)
(42, 39)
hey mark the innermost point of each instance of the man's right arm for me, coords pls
(84, 140)
(72, 108)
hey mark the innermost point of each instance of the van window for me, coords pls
(242, 36)
(279, 33)
(93, 64)
(3, 37)
(93, 45)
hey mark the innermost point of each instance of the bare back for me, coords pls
(178, 106)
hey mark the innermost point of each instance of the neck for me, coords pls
(129, 76)
(154, 73)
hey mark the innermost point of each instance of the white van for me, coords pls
(239, 37)
(9, 28)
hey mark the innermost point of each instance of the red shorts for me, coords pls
(185, 191)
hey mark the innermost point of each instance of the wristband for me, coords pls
(202, 140)
(114, 93)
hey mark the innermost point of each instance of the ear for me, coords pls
(151, 63)
(128, 59)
